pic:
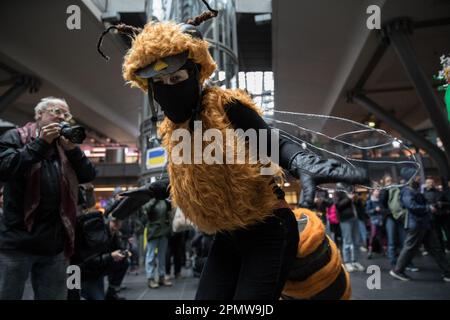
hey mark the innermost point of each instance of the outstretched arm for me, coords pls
(310, 168)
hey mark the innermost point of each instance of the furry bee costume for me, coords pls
(256, 234)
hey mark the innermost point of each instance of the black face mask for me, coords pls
(178, 100)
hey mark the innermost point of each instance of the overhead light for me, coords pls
(263, 18)
(287, 184)
(106, 189)
(396, 144)
(371, 124)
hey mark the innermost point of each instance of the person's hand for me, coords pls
(308, 191)
(160, 189)
(377, 208)
(117, 256)
(50, 132)
(67, 144)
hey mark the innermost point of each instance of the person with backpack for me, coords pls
(159, 225)
(99, 251)
(393, 215)
(112, 262)
(418, 223)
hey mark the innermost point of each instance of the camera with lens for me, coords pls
(75, 134)
(125, 253)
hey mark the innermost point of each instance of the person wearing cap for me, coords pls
(418, 229)
(256, 236)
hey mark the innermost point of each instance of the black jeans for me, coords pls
(442, 227)
(251, 263)
(176, 248)
(414, 238)
(93, 289)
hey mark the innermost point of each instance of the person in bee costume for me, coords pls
(256, 234)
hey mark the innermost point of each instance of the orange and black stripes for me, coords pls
(317, 273)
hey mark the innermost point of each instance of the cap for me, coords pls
(163, 66)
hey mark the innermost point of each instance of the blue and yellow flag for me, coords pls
(156, 158)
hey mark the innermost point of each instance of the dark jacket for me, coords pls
(132, 225)
(159, 218)
(419, 216)
(434, 197)
(347, 209)
(97, 265)
(384, 203)
(376, 217)
(47, 234)
(444, 204)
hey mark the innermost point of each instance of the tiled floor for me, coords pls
(427, 284)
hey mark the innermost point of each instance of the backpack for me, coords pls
(180, 223)
(91, 236)
(395, 205)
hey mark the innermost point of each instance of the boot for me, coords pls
(111, 294)
(370, 253)
(152, 284)
(163, 281)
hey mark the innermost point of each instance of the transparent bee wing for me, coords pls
(347, 141)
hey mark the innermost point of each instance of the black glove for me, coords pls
(313, 170)
(158, 189)
(132, 200)
(308, 191)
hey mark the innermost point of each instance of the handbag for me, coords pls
(180, 222)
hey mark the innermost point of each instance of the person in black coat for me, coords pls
(41, 170)
(348, 207)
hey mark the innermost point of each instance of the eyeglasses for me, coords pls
(57, 112)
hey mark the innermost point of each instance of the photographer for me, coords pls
(111, 261)
(41, 170)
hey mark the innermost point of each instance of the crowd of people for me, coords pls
(396, 223)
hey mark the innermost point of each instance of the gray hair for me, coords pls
(47, 102)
